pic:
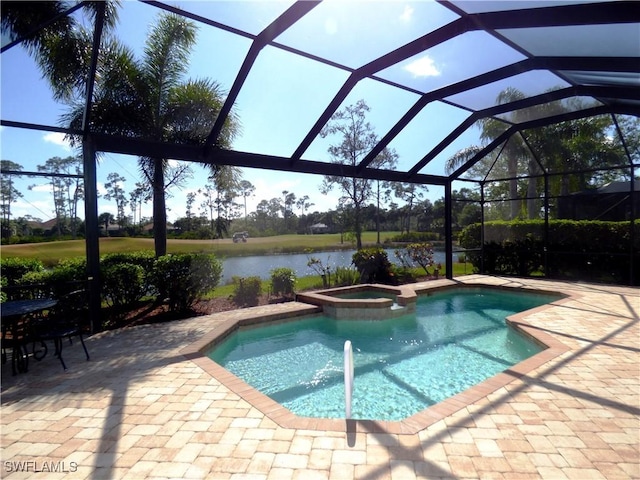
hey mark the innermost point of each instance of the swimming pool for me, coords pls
(453, 340)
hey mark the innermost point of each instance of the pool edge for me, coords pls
(410, 425)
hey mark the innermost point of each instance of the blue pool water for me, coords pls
(454, 340)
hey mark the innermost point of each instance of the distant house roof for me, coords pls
(111, 227)
(49, 224)
(34, 224)
(149, 226)
(619, 187)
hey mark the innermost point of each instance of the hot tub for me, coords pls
(367, 301)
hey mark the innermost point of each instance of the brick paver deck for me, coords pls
(141, 409)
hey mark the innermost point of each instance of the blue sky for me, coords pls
(284, 93)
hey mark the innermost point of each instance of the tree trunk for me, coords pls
(378, 216)
(246, 224)
(159, 209)
(358, 227)
(532, 202)
(513, 188)
(514, 203)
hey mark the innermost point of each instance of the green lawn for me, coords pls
(51, 252)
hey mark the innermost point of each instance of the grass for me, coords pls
(50, 253)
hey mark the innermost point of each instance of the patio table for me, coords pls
(16, 326)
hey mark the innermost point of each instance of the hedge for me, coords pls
(126, 278)
(182, 279)
(415, 237)
(585, 249)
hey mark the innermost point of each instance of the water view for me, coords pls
(261, 265)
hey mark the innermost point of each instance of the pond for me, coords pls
(261, 265)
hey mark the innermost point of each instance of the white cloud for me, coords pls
(423, 67)
(57, 139)
(35, 207)
(269, 187)
(407, 14)
(40, 187)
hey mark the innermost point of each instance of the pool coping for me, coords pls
(410, 425)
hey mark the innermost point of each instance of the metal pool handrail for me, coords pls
(348, 377)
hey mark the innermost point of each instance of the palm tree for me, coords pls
(515, 150)
(576, 145)
(55, 38)
(246, 189)
(148, 98)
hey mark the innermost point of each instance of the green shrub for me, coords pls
(415, 237)
(3, 294)
(373, 265)
(591, 234)
(66, 276)
(32, 285)
(182, 279)
(14, 268)
(246, 290)
(69, 275)
(346, 276)
(122, 284)
(144, 259)
(403, 274)
(585, 249)
(283, 281)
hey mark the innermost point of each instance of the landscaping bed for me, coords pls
(153, 313)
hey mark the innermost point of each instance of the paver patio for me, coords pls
(141, 409)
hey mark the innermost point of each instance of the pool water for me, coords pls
(454, 340)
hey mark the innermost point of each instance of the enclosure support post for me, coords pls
(632, 198)
(89, 150)
(448, 230)
(482, 228)
(91, 230)
(546, 226)
(632, 227)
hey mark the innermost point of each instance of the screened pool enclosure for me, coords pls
(524, 114)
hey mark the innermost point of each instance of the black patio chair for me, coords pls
(15, 340)
(66, 320)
